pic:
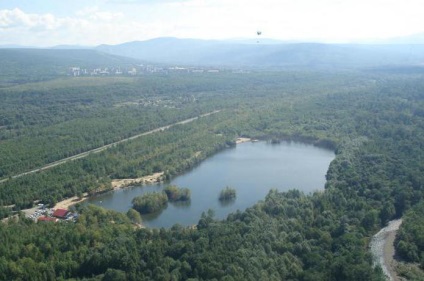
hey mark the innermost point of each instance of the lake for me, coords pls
(251, 168)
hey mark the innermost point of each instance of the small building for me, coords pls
(48, 219)
(60, 213)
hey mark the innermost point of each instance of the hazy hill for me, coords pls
(26, 65)
(268, 54)
(417, 38)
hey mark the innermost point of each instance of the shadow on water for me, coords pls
(181, 204)
(153, 216)
(227, 203)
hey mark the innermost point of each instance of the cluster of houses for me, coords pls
(138, 69)
(77, 71)
(53, 215)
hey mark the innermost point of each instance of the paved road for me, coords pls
(102, 148)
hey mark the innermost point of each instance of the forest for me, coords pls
(372, 119)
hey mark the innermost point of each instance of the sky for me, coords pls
(45, 23)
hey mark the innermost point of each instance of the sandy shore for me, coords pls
(242, 140)
(117, 184)
(65, 204)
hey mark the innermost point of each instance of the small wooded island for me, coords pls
(227, 194)
(176, 194)
(155, 201)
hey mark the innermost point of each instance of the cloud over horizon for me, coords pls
(113, 22)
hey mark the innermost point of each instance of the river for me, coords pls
(251, 168)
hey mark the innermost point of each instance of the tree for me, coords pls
(150, 202)
(114, 275)
(227, 194)
(134, 216)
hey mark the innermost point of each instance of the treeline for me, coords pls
(410, 240)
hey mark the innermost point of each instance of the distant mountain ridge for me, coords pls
(265, 55)
(258, 53)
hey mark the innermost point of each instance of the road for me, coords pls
(383, 251)
(102, 148)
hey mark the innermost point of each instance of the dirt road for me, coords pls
(382, 249)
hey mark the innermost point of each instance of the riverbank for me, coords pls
(383, 250)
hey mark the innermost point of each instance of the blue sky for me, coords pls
(77, 22)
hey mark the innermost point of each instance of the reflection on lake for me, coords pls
(250, 168)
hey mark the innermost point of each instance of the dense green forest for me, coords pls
(374, 121)
(410, 243)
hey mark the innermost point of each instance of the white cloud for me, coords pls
(112, 22)
(89, 27)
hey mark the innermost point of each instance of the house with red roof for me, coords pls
(60, 213)
(48, 219)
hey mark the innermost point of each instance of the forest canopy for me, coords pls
(374, 121)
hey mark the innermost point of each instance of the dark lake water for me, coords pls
(251, 168)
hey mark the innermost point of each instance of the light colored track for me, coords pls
(102, 148)
(382, 249)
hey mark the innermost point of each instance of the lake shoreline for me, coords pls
(149, 179)
(253, 168)
(67, 203)
(116, 185)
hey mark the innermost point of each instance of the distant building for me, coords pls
(60, 213)
(133, 71)
(75, 71)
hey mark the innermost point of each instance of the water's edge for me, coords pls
(251, 168)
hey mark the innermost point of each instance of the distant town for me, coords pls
(143, 69)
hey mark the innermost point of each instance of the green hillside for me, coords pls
(31, 65)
